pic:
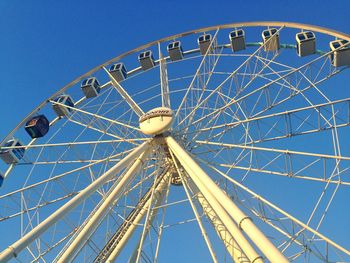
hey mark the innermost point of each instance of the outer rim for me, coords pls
(295, 25)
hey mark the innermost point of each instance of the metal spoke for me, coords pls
(123, 93)
(235, 100)
(205, 236)
(44, 225)
(164, 83)
(212, 43)
(97, 116)
(295, 220)
(233, 74)
(248, 122)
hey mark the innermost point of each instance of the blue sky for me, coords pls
(46, 44)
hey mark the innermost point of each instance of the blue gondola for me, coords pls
(274, 43)
(90, 87)
(37, 126)
(14, 155)
(175, 51)
(1, 179)
(61, 110)
(306, 43)
(341, 55)
(237, 39)
(204, 43)
(146, 60)
(118, 71)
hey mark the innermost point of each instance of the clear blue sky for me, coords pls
(46, 44)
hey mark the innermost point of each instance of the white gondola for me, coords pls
(118, 71)
(306, 43)
(204, 43)
(146, 60)
(175, 51)
(90, 87)
(13, 155)
(274, 43)
(175, 179)
(61, 110)
(340, 57)
(237, 39)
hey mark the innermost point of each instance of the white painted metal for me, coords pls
(258, 89)
(96, 115)
(294, 219)
(22, 243)
(204, 183)
(159, 192)
(197, 73)
(156, 121)
(318, 29)
(227, 79)
(113, 135)
(210, 196)
(231, 246)
(164, 83)
(255, 148)
(134, 106)
(93, 222)
(277, 114)
(157, 197)
(344, 36)
(204, 233)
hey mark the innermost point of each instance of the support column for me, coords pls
(208, 187)
(232, 247)
(91, 226)
(13, 250)
(224, 217)
(129, 227)
(159, 195)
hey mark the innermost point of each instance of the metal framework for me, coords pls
(253, 155)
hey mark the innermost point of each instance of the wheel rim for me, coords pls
(253, 120)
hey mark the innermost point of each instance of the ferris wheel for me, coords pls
(223, 144)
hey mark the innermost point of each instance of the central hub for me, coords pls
(156, 121)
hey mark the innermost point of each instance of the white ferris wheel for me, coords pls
(223, 144)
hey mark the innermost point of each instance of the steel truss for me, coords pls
(227, 123)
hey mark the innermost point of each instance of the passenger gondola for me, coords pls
(175, 51)
(274, 43)
(146, 60)
(61, 110)
(237, 39)
(118, 71)
(204, 42)
(12, 155)
(341, 55)
(90, 87)
(306, 43)
(1, 179)
(37, 126)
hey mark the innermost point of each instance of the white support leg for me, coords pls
(231, 245)
(159, 194)
(200, 224)
(224, 217)
(208, 187)
(158, 198)
(13, 250)
(93, 222)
